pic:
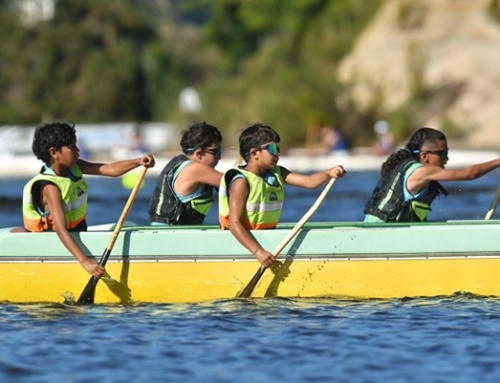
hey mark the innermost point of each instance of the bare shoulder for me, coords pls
(425, 171)
(196, 173)
(435, 173)
(199, 167)
(51, 195)
(239, 186)
(49, 187)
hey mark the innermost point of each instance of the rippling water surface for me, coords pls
(441, 339)
(447, 339)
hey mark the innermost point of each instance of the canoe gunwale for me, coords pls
(251, 258)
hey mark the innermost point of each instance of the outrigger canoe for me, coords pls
(199, 263)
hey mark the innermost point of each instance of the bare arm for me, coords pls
(423, 175)
(194, 175)
(312, 181)
(115, 169)
(52, 199)
(237, 206)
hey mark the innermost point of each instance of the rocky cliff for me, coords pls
(450, 45)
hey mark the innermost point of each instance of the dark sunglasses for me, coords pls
(217, 152)
(443, 154)
(273, 148)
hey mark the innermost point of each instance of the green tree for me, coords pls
(84, 64)
(127, 60)
(15, 60)
(283, 58)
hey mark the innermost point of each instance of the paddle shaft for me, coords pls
(247, 291)
(494, 204)
(88, 292)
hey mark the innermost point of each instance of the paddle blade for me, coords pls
(88, 293)
(248, 290)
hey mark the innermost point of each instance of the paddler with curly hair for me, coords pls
(410, 178)
(56, 198)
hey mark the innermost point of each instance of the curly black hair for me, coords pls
(412, 148)
(200, 135)
(52, 135)
(255, 136)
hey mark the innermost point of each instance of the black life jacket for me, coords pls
(387, 200)
(165, 206)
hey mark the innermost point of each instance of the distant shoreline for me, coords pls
(22, 166)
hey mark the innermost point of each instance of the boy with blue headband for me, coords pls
(183, 193)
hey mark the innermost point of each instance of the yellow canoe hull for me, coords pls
(193, 264)
(161, 282)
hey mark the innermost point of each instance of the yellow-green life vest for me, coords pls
(264, 202)
(74, 193)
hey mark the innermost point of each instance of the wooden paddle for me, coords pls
(247, 291)
(88, 293)
(494, 205)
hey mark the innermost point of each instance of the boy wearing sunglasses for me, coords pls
(410, 179)
(251, 196)
(183, 193)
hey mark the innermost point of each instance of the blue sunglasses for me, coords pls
(273, 148)
(216, 152)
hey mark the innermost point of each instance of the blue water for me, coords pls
(467, 200)
(441, 339)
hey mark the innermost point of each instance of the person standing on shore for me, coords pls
(333, 140)
(56, 198)
(385, 139)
